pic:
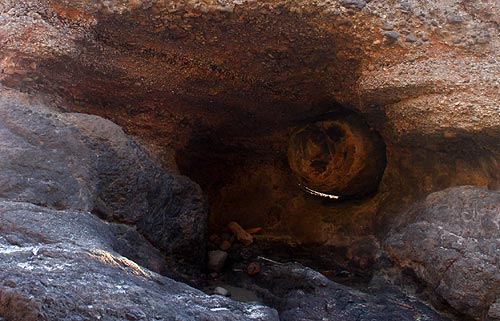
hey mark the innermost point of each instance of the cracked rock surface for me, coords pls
(450, 240)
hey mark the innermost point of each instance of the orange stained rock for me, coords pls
(242, 235)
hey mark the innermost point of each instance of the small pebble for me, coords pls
(10, 283)
(411, 38)
(391, 36)
(216, 260)
(388, 26)
(225, 245)
(454, 18)
(253, 268)
(221, 291)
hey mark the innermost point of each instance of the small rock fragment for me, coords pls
(221, 291)
(391, 36)
(388, 26)
(10, 283)
(254, 230)
(242, 235)
(225, 245)
(135, 314)
(253, 268)
(454, 18)
(359, 4)
(411, 38)
(216, 260)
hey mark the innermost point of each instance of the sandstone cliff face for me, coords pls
(216, 90)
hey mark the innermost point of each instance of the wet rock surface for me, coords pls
(450, 242)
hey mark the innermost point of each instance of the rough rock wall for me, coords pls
(83, 162)
(59, 261)
(225, 84)
(450, 241)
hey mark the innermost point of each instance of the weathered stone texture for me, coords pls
(451, 242)
(83, 162)
(65, 265)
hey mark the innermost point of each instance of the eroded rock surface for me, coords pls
(61, 262)
(300, 293)
(338, 155)
(221, 86)
(451, 242)
(83, 162)
(65, 265)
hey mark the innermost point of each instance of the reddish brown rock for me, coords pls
(253, 268)
(220, 87)
(216, 89)
(339, 155)
(240, 233)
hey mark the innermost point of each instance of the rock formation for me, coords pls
(218, 90)
(60, 262)
(451, 242)
(339, 156)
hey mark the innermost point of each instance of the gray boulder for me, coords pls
(60, 261)
(84, 162)
(300, 293)
(65, 265)
(451, 242)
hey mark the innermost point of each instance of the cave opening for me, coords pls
(227, 112)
